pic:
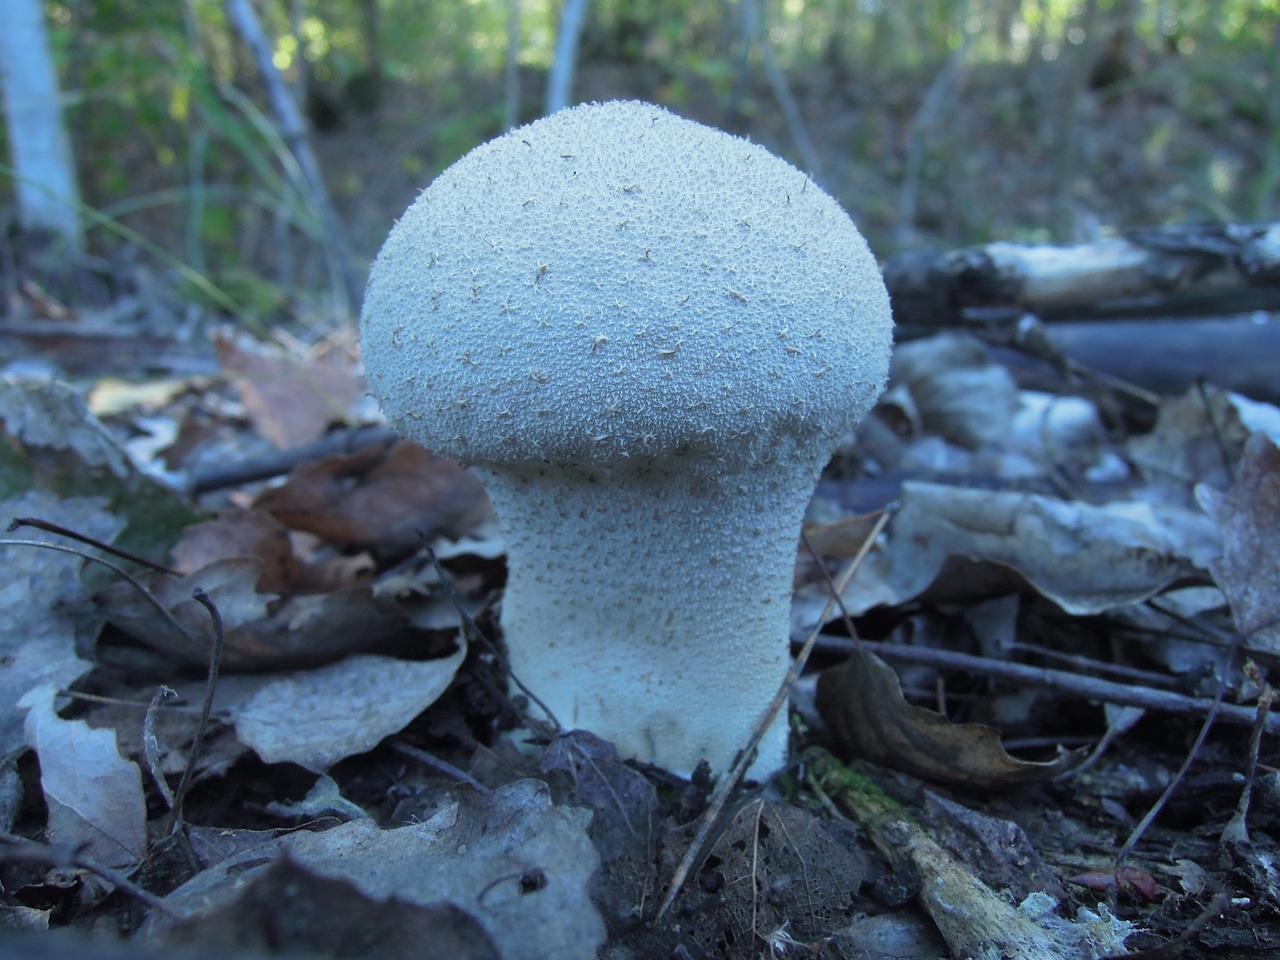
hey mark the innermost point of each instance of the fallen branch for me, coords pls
(1189, 268)
(974, 920)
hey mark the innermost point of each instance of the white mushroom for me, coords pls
(649, 335)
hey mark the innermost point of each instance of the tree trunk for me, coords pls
(560, 80)
(45, 181)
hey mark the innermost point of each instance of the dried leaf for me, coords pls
(1194, 436)
(958, 391)
(315, 718)
(289, 909)
(382, 499)
(290, 402)
(1248, 571)
(951, 543)
(43, 606)
(93, 794)
(521, 863)
(241, 533)
(861, 700)
(585, 771)
(49, 441)
(775, 868)
(262, 630)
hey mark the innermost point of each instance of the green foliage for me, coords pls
(178, 144)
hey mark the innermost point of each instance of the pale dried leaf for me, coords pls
(1248, 571)
(315, 718)
(42, 604)
(964, 544)
(520, 864)
(94, 795)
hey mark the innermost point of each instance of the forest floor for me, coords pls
(1084, 571)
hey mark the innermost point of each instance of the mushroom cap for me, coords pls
(615, 282)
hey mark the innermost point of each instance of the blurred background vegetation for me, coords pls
(935, 122)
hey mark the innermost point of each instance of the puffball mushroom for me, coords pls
(648, 336)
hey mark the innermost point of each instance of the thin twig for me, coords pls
(62, 531)
(435, 763)
(1091, 688)
(724, 787)
(151, 743)
(1084, 663)
(1237, 828)
(211, 684)
(1215, 430)
(1174, 783)
(336, 443)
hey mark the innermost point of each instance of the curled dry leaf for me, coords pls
(255, 533)
(950, 544)
(861, 700)
(263, 631)
(380, 498)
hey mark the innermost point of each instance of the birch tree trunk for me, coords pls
(40, 153)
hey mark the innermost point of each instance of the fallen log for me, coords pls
(1184, 269)
(1157, 308)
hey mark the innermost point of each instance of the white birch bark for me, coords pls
(39, 150)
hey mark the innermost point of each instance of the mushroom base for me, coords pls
(652, 606)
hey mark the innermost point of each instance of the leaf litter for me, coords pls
(356, 783)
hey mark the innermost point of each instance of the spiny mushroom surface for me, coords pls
(648, 336)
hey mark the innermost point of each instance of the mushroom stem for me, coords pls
(653, 605)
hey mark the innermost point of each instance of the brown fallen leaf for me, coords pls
(861, 700)
(241, 533)
(767, 848)
(290, 402)
(263, 631)
(285, 556)
(380, 498)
